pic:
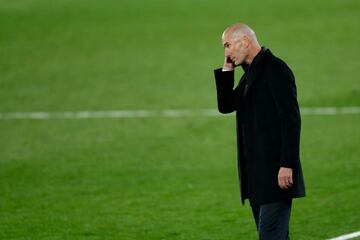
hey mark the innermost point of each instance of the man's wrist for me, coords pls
(225, 69)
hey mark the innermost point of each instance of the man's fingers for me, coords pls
(282, 183)
(285, 179)
(290, 180)
(285, 182)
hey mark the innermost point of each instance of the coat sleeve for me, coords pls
(225, 92)
(283, 89)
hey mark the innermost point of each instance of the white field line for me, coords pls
(347, 236)
(172, 113)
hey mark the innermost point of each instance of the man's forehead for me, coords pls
(226, 40)
(226, 36)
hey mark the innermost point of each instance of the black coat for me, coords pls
(268, 127)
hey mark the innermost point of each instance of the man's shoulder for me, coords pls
(276, 65)
(275, 61)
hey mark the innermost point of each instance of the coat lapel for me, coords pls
(258, 69)
(251, 79)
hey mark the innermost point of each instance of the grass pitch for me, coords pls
(164, 178)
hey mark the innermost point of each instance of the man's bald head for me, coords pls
(238, 31)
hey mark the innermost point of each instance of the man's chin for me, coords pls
(238, 63)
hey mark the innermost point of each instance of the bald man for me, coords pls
(268, 129)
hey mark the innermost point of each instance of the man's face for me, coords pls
(234, 49)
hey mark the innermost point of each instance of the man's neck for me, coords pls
(252, 54)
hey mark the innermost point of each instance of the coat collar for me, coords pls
(253, 70)
(252, 66)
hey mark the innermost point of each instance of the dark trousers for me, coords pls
(272, 220)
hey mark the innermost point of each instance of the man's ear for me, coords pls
(246, 41)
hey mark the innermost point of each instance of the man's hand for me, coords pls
(228, 64)
(285, 179)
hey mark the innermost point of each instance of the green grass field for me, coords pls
(164, 178)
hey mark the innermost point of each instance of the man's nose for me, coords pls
(227, 53)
